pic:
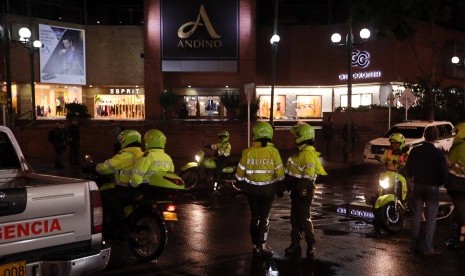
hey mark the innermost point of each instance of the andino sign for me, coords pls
(195, 29)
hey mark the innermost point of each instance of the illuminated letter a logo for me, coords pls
(206, 22)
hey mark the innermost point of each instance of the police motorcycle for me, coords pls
(391, 202)
(150, 214)
(200, 174)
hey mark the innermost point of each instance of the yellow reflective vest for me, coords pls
(393, 161)
(305, 163)
(153, 161)
(121, 165)
(260, 165)
(457, 158)
(222, 149)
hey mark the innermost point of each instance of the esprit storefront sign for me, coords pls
(361, 59)
(124, 91)
(195, 29)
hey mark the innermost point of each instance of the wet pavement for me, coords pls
(212, 238)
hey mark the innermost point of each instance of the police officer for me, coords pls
(456, 158)
(258, 171)
(396, 156)
(302, 169)
(222, 151)
(154, 159)
(120, 165)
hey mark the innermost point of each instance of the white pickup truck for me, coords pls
(49, 225)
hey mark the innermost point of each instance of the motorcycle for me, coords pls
(391, 202)
(150, 211)
(200, 174)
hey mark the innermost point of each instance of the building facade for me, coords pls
(200, 50)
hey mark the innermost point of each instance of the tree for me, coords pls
(399, 19)
(449, 102)
(77, 110)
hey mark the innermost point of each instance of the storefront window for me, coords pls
(357, 100)
(204, 106)
(279, 103)
(308, 106)
(119, 106)
(51, 100)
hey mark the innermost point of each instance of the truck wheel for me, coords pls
(191, 178)
(148, 238)
(390, 217)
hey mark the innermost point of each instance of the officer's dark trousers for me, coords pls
(221, 162)
(114, 201)
(301, 222)
(260, 208)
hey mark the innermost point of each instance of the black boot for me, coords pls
(293, 249)
(264, 251)
(310, 249)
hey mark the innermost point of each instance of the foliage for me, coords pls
(449, 103)
(254, 106)
(77, 110)
(230, 100)
(168, 100)
(400, 18)
(361, 108)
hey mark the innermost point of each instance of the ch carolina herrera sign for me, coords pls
(199, 29)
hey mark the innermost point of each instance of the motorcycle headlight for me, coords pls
(384, 183)
(197, 158)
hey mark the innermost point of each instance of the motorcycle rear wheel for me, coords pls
(148, 238)
(191, 178)
(390, 217)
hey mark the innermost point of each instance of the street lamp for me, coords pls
(25, 38)
(349, 45)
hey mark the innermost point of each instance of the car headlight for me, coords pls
(368, 147)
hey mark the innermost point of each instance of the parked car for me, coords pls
(414, 133)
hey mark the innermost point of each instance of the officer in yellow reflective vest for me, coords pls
(154, 159)
(302, 169)
(259, 171)
(396, 156)
(222, 151)
(456, 158)
(115, 197)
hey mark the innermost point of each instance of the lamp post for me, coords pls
(349, 45)
(25, 38)
(274, 51)
(456, 61)
(274, 47)
(6, 41)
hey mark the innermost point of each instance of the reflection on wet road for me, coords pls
(212, 238)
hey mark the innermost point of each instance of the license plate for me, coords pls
(170, 216)
(14, 269)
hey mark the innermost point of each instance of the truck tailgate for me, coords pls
(55, 214)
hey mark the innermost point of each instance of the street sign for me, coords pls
(407, 98)
(3, 97)
(391, 99)
(249, 89)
